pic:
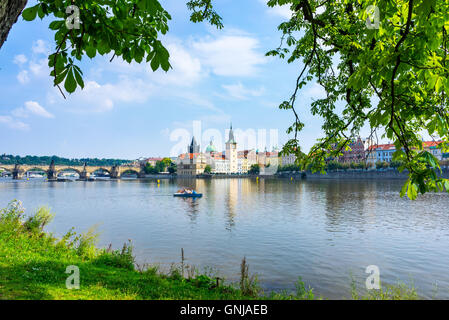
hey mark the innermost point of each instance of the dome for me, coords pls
(211, 148)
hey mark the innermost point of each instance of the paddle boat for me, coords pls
(187, 193)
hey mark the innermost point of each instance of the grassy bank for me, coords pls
(33, 266)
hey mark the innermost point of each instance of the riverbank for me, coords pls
(388, 173)
(33, 265)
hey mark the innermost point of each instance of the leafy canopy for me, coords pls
(392, 79)
(127, 28)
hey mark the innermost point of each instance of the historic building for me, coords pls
(193, 162)
(229, 161)
(288, 159)
(231, 152)
(384, 152)
(355, 154)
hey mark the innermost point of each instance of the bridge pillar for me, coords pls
(141, 174)
(51, 173)
(17, 173)
(84, 175)
(115, 172)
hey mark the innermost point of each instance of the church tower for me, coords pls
(194, 147)
(231, 152)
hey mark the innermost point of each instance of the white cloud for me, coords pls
(240, 92)
(97, 98)
(23, 77)
(13, 124)
(40, 47)
(32, 108)
(315, 91)
(39, 68)
(230, 55)
(281, 11)
(20, 59)
(36, 66)
(186, 69)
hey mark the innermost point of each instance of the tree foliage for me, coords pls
(208, 169)
(46, 160)
(129, 29)
(392, 79)
(254, 169)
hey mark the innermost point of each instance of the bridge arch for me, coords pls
(30, 169)
(130, 170)
(101, 169)
(6, 169)
(27, 170)
(68, 169)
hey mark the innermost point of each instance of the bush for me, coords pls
(86, 244)
(381, 164)
(11, 216)
(172, 168)
(302, 293)
(37, 222)
(149, 169)
(396, 164)
(120, 259)
(255, 169)
(248, 284)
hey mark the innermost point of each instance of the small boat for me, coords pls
(187, 193)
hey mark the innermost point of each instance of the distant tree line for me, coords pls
(46, 160)
(164, 165)
(335, 165)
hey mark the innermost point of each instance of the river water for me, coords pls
(327, 232)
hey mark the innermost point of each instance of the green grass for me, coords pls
(33, 265)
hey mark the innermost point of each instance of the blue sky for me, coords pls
(127, 111)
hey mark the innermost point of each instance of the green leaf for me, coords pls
(155, 63)
(78, 77)
(40, 12)
(412, 191)
(404, 189)
(91, 51)
(70, 83)
(29, 14)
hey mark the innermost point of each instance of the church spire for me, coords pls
(231, 135)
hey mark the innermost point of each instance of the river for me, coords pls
(327, 232)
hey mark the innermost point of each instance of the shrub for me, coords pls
(255, 169)
(120, 259)
(11, 216)
(301, 291)
(86, 244)
(248, 284)
(37, 222)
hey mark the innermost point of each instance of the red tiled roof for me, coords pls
(392, 146)
(183, 155)
(382, 147)
(431, 143)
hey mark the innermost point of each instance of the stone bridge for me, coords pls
(52, 171)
